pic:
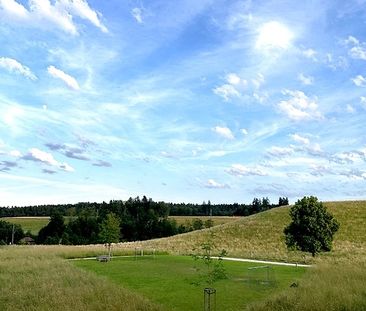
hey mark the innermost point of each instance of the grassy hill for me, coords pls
(261, 236)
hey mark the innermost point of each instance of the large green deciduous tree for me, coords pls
(110, 231)
(312, 227)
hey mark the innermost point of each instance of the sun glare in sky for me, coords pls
(274, 35)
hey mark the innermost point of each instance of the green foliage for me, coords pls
(209, 223)
(81, 231)
(312, 227)
(110, 229)
(282, 201)
(52, 233)
(215, 269)
(6, 231)
(197, 224)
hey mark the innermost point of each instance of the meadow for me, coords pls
(177, 282)
(217, 220)
(42, 277)
(32, 224)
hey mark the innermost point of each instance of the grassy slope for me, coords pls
(217, 220)
(261, 236)
(32, 224)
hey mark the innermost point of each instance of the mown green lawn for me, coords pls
(171, 281)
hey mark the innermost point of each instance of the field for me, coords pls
(32, 224)
(39, 277)
(217, 220)
(167, 280)
(260, 236)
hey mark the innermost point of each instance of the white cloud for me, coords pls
(223, 132)
(226, 91)
(241, 170)
(59, 74)
(274, 35)
(15, 153)
(359, 81)
(212, 184)
(233, 78)
(44, 13)
(300, 139)
(306, 80)
(358, 50)
(37, 155)
(299, 106)
(13, 8)
(352, 40)
(13, 65)
(244, 131)
(280, 151)
(258, 81)
(363, 101)
(350, 108)
(310, 53)
(137, 14)
(41, 156)
(82, 9)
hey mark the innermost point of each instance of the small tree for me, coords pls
(215, 269)
(312, 227)
(110, 231)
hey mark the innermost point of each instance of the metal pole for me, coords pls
(12, 236)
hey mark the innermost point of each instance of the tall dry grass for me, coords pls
(37, 279)
(329, 287)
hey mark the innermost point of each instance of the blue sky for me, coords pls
(181, 101)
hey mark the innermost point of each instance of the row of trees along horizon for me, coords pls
(138, 219)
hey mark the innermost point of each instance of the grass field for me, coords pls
(167, 280)
(35, 279)
(32, 224)
(217, 220)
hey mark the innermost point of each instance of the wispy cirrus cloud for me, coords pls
(102, 163)
(242, 170)
(212, 184)
(300, 139)
(12, 65)
(224, 132)
(66, 78)
(359, 80)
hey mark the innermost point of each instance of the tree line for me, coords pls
(172, 209)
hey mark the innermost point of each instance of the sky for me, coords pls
(181, 101)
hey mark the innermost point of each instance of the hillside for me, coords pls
(260, 236)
